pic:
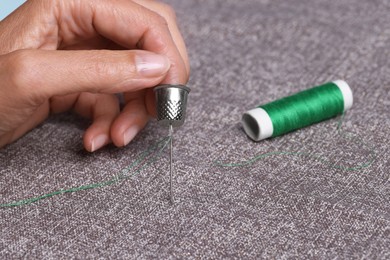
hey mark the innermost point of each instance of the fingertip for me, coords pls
(122, 133)
(150, 64)
(129, 134)
(126, 127)
(95, 143)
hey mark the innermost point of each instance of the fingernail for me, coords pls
(152, 65)
(129, 134)
(98, 142)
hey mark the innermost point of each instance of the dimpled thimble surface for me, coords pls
(171, 102)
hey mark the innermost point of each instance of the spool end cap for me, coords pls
(346, 91)
(257, 124)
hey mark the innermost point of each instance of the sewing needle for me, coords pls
(170, 162)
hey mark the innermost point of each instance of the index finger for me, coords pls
(135, 26)
(169, 14)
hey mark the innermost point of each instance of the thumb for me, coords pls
(43, 74)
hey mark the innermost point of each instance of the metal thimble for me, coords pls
(171, 101)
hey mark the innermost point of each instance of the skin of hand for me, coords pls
(60, 55)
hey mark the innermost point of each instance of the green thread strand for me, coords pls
(146, 157)
(305, 108)
(355, 139)
(313, 156)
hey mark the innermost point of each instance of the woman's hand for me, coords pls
(59, 55)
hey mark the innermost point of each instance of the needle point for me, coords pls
(170, 164)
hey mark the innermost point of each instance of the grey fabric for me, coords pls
(243, 53)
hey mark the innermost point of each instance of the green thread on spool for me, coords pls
(305, 108)
(297, 111)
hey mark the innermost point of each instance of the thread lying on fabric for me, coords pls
(144, 160)
(356, 139)
(273, 119)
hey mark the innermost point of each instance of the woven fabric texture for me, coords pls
(243, 54)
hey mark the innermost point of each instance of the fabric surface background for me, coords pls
(243, 53)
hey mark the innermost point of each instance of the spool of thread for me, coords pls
(297, 111)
